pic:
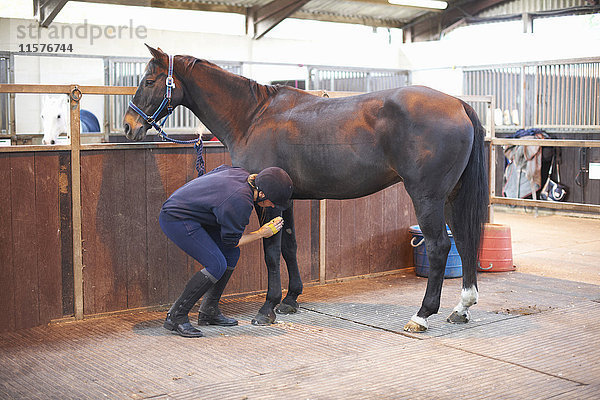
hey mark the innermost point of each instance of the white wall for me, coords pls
(438, 64)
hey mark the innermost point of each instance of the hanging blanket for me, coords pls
(522, 175)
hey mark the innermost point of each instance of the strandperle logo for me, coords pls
(81, 31)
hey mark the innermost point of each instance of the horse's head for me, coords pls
(55, 118)
(150, 94)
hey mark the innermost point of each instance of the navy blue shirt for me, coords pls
(220, 198)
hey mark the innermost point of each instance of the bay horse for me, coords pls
(339, 148)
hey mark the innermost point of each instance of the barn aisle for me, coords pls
(530, 337)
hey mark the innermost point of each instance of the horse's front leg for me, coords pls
(272, 248)
(289, 249)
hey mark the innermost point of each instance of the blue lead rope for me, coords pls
(166, 102)
(199, 159)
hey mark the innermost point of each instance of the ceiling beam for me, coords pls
(264, 18)
(176, 5)
(350, 19)
(433, 24)
(46, 10)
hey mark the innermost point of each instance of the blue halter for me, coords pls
(166, 102)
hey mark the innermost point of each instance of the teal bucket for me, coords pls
(453, 265)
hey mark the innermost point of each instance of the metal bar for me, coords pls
(560, 99)
(546, 142)
(553, 93)
(534, 63)
(568, 127)
(523, 97)
(477, 98)
(546, 204)
(582, 98)
(541, 99)
(76, 202)
(570, 94)
(596, 75)
(492, 164)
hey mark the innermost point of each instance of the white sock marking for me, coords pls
(420, 321)
(468, 297)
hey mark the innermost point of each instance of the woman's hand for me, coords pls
(267, 230)
(271, 228)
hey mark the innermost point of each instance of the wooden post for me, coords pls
(74, 98)
(322, 239)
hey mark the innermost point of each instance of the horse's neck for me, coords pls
(225, 103)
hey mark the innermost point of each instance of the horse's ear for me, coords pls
(158, 54)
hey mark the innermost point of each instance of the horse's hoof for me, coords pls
(413, 327)
(458, 318)
(263, 320)
(284, 308)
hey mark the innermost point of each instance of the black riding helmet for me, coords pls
(276, 184)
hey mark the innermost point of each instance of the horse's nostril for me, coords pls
(127, 129)
(52, 142)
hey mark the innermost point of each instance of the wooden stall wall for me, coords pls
(370, 234)
(35, 239)
(128, 261)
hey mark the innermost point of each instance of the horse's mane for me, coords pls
(259, 91)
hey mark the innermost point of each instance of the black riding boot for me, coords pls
(209, 313)
(177, 318)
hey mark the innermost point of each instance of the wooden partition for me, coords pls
(369, 235)
(127, 261)
(36, 257)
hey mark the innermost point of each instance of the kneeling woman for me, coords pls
(206, 218)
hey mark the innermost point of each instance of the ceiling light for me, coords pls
(438, 5)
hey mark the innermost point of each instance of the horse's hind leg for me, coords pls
(430, 215)
(469, 294)
(272, 248)
(289, 248)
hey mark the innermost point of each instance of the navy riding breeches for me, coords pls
(202, 242)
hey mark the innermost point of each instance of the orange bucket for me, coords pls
(495, 254)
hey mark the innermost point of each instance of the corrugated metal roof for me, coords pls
(367, 12)
(397, 15)
(531, 6)
(423, 24)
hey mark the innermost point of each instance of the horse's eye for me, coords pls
(149, 81)
(58, 116)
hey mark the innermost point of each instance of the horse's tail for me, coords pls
(470, 204)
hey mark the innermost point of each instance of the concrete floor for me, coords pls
(534, 334)
(554, 245)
